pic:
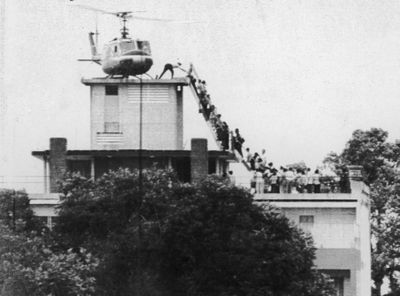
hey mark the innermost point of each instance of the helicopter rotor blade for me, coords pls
(130, 12)
(171, 21)
(151, 19)
(129, 15)
(126, 14)
(93, 9)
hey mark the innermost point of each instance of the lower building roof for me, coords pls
(71, 154)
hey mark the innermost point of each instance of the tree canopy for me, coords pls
(15, 211)
(172, 238)
(379, 159)
(31, 262)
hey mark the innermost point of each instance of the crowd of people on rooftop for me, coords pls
(268, 179)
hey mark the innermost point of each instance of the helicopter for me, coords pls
(122, 56)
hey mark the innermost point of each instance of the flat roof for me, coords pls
(134, 153)
(109, 80)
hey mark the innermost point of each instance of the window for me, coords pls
(306, 222)
(111, 114)
(111, 90)
(111, 127)
(144, 45)
(127, 46)
(338, 286)
(306, 219)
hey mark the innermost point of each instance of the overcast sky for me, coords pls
(296, 77)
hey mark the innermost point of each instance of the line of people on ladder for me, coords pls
(220, 127)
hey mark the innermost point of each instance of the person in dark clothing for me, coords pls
(253, 161)
(274, 181)
(344, 182)
(169, 67)
(225, 136)
(238, 142)
(210, 109)
(317, 181)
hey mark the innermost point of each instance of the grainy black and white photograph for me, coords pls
(199, 148)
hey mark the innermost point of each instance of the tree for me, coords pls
(172, 238)
(378, 158)
(370, 150)
(30, 268)
(15, 211)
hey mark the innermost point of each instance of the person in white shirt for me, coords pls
(248, 155)
(259, 182)
(290, 177)
(263, 157)
(309, 177)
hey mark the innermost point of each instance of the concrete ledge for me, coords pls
(305, 197)
(105, 80)
(44, 199)
(338, 259)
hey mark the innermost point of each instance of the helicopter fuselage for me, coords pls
(126, 56)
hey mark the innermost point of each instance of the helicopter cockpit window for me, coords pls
(144, 45)
(127, 46)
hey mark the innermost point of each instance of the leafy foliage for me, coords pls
(379, 160)
(17, 203)
(169, 238)
(30, 268)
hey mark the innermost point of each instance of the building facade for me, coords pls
(134, 123)
(139, 124)
(339, 224)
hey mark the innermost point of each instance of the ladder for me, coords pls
(192, 74)
(212, 128)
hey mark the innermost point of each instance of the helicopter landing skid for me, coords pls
(119, 76)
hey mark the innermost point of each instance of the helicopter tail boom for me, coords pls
(93, 45)
(97, 61)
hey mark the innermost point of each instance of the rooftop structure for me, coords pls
(121, 109)
(339, 225)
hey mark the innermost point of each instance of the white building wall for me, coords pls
(162, 126)
(332, 228)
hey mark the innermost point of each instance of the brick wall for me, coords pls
(57, 161)
(198, 160)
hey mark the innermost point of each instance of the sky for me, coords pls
(296, 77)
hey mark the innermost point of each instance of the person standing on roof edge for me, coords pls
(170, 67)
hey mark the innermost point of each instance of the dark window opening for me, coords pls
(83, 167)
(212, 166)
(182, 168)
(111, 90)
(306, 219)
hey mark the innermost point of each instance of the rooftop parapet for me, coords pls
(350, 180)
